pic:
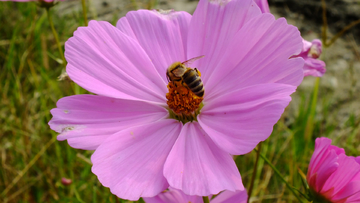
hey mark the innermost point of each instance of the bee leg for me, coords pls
(183, 84)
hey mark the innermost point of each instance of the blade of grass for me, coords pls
(291, 188)
(56, 37)
(28, 166)
(254, 171)
(310, 119)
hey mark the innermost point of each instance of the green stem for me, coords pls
(280, 176)
(56, 36)
(310, 121)
(84, 12)
(254, 171)
(206, 199)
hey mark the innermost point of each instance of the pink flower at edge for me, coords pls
(310, 53)
(332, 176)
(177, 196)
(140, 151)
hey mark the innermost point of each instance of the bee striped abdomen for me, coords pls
(193, 81)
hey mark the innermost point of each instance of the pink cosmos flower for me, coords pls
(310, 53)
(176, 196)
(141, 146)
(332, 176)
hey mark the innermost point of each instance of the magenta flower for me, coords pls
(310, 53)
(332, 176)
(141, 146)
(176, 196)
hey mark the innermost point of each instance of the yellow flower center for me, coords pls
(184, 104)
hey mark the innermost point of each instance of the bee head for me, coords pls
(175, 72)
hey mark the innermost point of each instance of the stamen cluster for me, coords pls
(182, 101)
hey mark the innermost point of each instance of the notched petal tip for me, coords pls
(165, 12)
(296, 35)
(169, 14)
(220, 2)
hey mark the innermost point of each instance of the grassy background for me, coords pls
(32, 162)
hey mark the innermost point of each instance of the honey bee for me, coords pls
(180, 72)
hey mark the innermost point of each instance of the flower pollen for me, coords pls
(184, 104)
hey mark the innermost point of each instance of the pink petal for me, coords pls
(337, 150)
(239, 120)
(322, 150)
(105, 61)
(87, 120)
(263, 5)
(173, 196)
(327, 167)
(321, 146)
(258, 53)
(310, 52)
(332, 174)
(351, 192)
(162, 36)
(212, 28)
(231, 197)
(197, 166)
(314, 67)
(348, 169)
(131, 162)
(306, 47)
(357, 159)
(124, 26)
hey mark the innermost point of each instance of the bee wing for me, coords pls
(190, 61)
(178, 72)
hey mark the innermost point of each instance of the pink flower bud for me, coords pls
(332, 176)
(66, 181)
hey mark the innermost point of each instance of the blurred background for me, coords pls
(33, 164)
